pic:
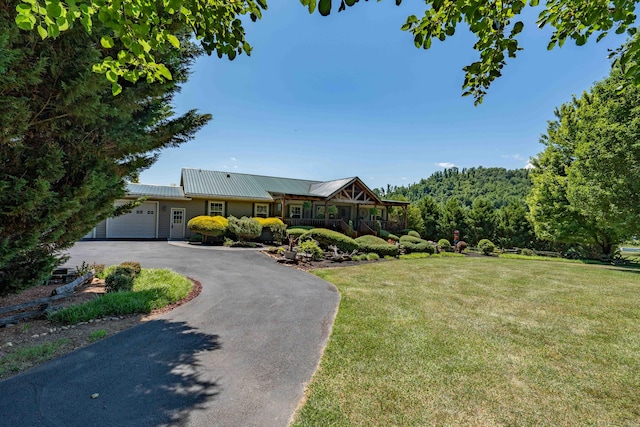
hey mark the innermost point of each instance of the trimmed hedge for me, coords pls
(414, 244)
(414, 233)
(208, 225)
(245, 228)
(296, 232)
(326, 238)
(486, 246)
(376, 245)
(275, 225)
(444, 245)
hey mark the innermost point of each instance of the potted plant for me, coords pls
(332, 211)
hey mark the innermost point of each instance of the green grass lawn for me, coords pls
(480, 341)
(153, 289)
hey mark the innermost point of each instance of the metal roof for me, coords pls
(158, 191)
(231, 185)
(329, 188)
(198, 182)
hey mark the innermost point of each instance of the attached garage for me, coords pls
(140, 223)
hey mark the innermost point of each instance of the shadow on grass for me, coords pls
(149, 375)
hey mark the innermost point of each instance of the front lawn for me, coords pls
(480, 341)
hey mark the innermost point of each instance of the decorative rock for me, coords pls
(10, 325)
(90, 320)
(98, 320)
(35, 336)
(65, 328)
(9, 344)
(43, 334)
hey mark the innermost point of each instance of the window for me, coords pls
(261, 210)
(216, 208)
(320, 211)
(295, 211)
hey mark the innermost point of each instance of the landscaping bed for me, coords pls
(31, 342)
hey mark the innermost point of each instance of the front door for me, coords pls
(177, 224)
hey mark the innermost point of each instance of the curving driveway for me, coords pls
(238, 355)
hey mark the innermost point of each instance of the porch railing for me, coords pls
(332, 224)
(385, 225)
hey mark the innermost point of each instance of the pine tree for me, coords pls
(67, 145)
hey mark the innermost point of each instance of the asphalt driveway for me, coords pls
(238, 355)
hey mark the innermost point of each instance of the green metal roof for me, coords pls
(158, 191)
(329, 188)
(198, 182)
(231, 185)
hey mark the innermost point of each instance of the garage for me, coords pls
(140, 223)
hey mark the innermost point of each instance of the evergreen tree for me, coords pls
(513, 227)
(453, 218)
(431, 213)
(481, 221)
(67, 145)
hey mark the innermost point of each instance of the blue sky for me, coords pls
(349, 95)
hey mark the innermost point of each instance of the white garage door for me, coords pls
(140, 223)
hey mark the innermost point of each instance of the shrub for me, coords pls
(486, 246)
(384, 234)
(205, 225)
(414, 233)
(301, 227)
(98, 270)
(405, 232)
(444, 245)
(393, 237)
(135, 267)
(414, 244)
(373, 257)
(275, 225)
(118, 281)
(326, 238)
(527, 252)
(311, 247)
(377, 245)
(296, 232)
(244, 228)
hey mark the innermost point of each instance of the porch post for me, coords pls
(406, 216)
(326, 215)
(283, 203)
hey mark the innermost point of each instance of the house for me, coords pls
(340, 204)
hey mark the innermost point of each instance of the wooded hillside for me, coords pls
(497, 185)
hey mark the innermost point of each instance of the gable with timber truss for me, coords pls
(355, 192)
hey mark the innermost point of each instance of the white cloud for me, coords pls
(371, 178)
(445, 164)
(512, 156)
(233, 159)
(235, 166)
(529, 165)
(404, 178)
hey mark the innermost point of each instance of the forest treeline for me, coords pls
(481, 203)
(498, 185)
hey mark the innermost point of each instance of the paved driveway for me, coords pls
(238, 355)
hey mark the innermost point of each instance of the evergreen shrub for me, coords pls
(205, 225)
(444, 245)
(244, 228)
(275, 225)
(414, 244)
(414, 233)
(486, 246)
(311, 247)
(295, 232)
(326, 238)
(377, 245)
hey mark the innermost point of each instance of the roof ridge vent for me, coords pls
(228, 175)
